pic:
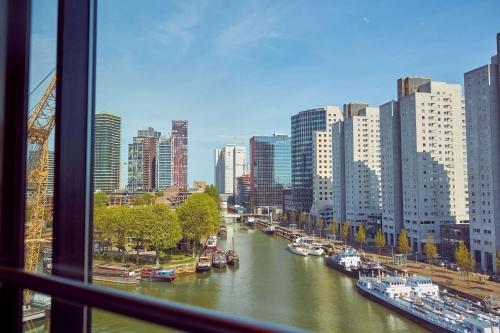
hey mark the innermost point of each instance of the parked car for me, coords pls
(441, 263)
(454, 267)
(495, 278)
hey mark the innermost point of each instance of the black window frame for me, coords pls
(73, 294)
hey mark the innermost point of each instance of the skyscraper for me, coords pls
(390, 148)
(165, 162)
(270, 169)
(229, 163)
(180, 153)
(433, 160)
(482, 107)
(303, 126)
(360, 137)
(142, 160)
(107, 132)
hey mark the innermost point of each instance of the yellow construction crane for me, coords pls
(40, 124)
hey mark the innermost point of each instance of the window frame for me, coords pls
(73, 294)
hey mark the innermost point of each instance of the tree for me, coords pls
(100, 199)
(464, 260)
(403, 245)
(498, 260)
(163, 229)
(292, 217)
(199, 217)
(379, 240)
(302, 219)
(139, 224)
(321, 225)
(430, 249)
(121, 223)
(333, 228)
(361, 235)
(144, 199)
(284, 218)
(345, 230)
(211, 190)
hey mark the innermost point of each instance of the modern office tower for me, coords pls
(165, 162)
(243, 190)
(432, 155)
(180, 153)
(482, 107)
(362, 167)
(303, 126)
(142, 160)
(353, 108)
(270, 169)
(229, 163)
(107, 134)
(390, 160)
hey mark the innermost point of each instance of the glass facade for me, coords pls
(304, 124)
(165, 162)
(270, 169)
(107, 152)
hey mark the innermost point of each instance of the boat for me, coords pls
(347, 261)
(419, 299)
(250, 221)
(222, 231)
(270, 230)
(204, 263)
(219, 259)
(313, 248)
(212, 242)
(297, 249)
(231, 256)
(158, 275)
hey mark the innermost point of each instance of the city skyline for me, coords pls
(326, 68)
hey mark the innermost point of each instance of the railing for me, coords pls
(169, 314)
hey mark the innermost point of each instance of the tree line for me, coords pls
(154, 226)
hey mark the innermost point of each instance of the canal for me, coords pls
(270, 284)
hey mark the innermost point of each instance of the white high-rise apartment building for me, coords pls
(390, 160)
(482, 107)
(322, 167)
(356, 168)
(229, 163)
(433, 160)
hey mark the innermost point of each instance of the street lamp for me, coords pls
(416, 256)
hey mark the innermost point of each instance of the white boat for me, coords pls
(212, 242)
(419, 299)
(297, 249)
(347, 261)
(313, 248)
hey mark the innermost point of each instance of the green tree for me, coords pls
(403, 245)
(321, 226)
(139, 223)
(159, 194)
(199, 217)
(498, 260)
(333, 228)
(379, 240)
(345, 230)
(100, 199)
(302, 219)
(430, 250)
(211, 190)
(121, 224)
(361, 235)
(163, 229)
(464, 260)
(144, 199)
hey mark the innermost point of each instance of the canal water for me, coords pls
(270, 284)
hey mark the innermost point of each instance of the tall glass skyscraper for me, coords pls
(107, 131)
(270, 169)
(142, 160)
(304, 125)
(165, 162)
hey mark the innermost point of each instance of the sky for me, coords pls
(235, 69)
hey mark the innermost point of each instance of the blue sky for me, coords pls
(235, 69)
